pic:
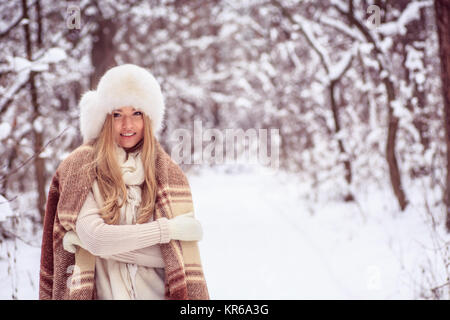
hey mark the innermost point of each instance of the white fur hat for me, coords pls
(121, 86)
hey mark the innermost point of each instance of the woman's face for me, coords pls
(128, 126)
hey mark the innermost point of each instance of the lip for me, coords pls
(128, 136)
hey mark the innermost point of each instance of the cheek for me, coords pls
(140, 128)
(117, 127)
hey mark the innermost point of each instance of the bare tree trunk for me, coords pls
(331, 89)
(39, 166)
(394, 171)
(415, 38)
(391, 158)
(442, 11)
(103, 50)
(337, 125)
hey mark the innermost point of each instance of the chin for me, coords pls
(127, 144)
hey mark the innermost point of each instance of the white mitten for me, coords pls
(70, 241)
(185, 228)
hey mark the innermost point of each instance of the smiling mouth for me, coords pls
(127, 134)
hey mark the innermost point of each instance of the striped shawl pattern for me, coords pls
(65, 275)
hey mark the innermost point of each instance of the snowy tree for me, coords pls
(442, 9)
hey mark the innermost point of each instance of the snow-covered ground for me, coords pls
(264, 238)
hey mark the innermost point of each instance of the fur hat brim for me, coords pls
(127, 85)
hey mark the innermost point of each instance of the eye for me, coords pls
(138, 113)
(116, 114)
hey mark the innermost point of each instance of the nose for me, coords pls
(127, 123)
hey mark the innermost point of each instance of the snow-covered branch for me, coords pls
(411, 13)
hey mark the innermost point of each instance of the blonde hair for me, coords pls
(109, 176)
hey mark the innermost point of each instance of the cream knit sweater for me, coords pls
(129, 264)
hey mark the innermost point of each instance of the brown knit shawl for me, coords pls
(64, 275)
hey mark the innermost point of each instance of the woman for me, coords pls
(119, 220)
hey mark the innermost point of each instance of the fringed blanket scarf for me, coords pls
(64, 275)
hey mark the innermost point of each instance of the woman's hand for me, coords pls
(185, 227)
(71, 241)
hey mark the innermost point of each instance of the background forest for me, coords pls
(354, 88)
